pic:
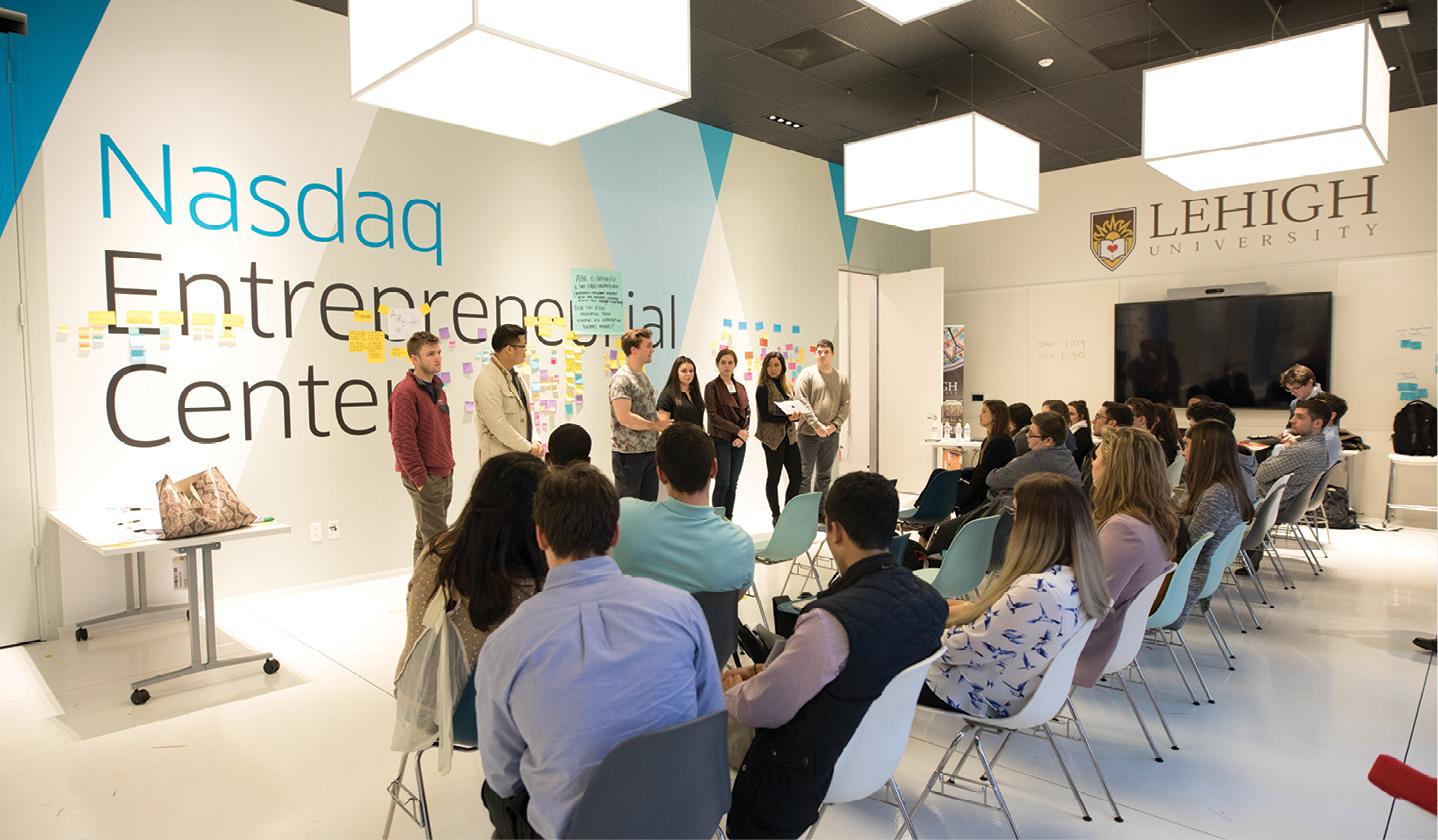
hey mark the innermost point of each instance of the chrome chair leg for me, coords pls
(423, 799)
(1223, 649)
(1143, 680)
(817, 819)
(994, 783)
(1117, 817)
(1241, 594)
(1078, 797)
(1183, 643)
(903, 809)
(943, 763)
(1227, 575)
(1163, 641)
(1123, 684)
(393, 793)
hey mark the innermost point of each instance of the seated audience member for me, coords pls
(1247, 463)
(1061, 408)
(1167, 430)
(1195, 399)
(1331, 441)
(996, 451)
(488, 562)
(681, 540)
(876, 620)
(1046, 435)
(1147, 415)
(568, 444)
(1052, 578)
(1301, 384)
(1137, 526)
(1306, 458)
(1110, 415)
(595, 659)
(1079, 423)
(1217, 500)
(1020, 416)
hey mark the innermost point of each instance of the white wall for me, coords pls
(1039, 306)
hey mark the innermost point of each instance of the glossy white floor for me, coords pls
(1330, 682)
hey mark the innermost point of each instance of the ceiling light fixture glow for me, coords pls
(1046, 62)
(1311, 104)
(782, 121)
(905, 11)
(541, 72)
(951, 172)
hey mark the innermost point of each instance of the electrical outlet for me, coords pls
(334, 529)
(317, 531)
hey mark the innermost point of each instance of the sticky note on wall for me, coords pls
(233, 320)
(102, 319)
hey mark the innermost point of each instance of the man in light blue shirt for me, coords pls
(594, 659)
(682, 540)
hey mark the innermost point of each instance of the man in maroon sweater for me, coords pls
(419, 430)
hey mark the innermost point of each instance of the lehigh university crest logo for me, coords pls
(1111, 236)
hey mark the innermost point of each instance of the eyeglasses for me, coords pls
(1032, 436)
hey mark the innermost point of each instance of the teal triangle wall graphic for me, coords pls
(39, 69)
(716, 151)
(848, 225)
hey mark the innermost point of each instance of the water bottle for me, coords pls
(934, 427)
(967, 432)
(948, 430)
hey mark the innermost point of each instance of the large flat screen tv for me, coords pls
(1233, 349)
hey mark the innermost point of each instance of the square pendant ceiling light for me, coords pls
(1305, 105)
(545, 72)
(951, 172)
(904, 11)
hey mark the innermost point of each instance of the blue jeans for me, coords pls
(726, 480)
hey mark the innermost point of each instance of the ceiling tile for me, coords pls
(760, 74)
(1062, 11)
(985, 82)
(1030, 113)
(1128, 126)
(1147, 50)
(724, 104)
(1402, 103)
(902, 46)
(1319, 12)
(852, 70)
(817, 11)
(981, 24)
(1110, 154)
(748, 23)
(705, 49)
(1215, 23)
(912, 98)
(809, 48)
(1081, 139)
(856, 112)
(1022, 55)
(1052, 158)
(771, 133)
(1113, 26)
(1098, 96)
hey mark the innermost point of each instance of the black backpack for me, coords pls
(1415, 429)
(1340, 516)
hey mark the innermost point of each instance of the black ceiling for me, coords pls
(845, 72)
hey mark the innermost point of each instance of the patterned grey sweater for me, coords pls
(1305, 460)
(1217, 511)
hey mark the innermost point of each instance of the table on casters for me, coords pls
(97, 530)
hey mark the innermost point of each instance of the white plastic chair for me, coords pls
(1051, 698)
(873, 753)
(1125, 655)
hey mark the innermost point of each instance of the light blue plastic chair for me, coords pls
(965, 561)
(1222, 557)
(935, 503)
(1171, 607)
(793, 536)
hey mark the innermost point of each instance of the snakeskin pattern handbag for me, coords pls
(204, 503)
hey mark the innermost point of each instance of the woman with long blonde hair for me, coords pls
(1051, 580)
(1137, 527)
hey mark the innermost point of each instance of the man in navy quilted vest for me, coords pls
(806, 701)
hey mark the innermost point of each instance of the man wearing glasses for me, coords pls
(1047, 453)
(501, 401)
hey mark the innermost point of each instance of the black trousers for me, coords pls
(635, 475)
(786, 459)
(509, 814)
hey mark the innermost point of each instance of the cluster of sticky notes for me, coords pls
(369, 342)
(1410, 344)
(62, 332)
(82, 336)
(1410, 391)
(137, 346)
(227, 337)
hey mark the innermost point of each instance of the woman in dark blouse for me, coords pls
(1020, 416)
(680, 400)
(728, 405)
(1079, 429)
(997, 450)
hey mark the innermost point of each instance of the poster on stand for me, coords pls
(953, 388)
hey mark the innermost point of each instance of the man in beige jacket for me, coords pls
(501, 399)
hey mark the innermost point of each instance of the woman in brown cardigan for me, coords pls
(727, 404)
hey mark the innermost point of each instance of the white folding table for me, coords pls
(964, 445)
(107, 533)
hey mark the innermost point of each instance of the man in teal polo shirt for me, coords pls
(681, 540)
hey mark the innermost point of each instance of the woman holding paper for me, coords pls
(775, 430)
(727, 404)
